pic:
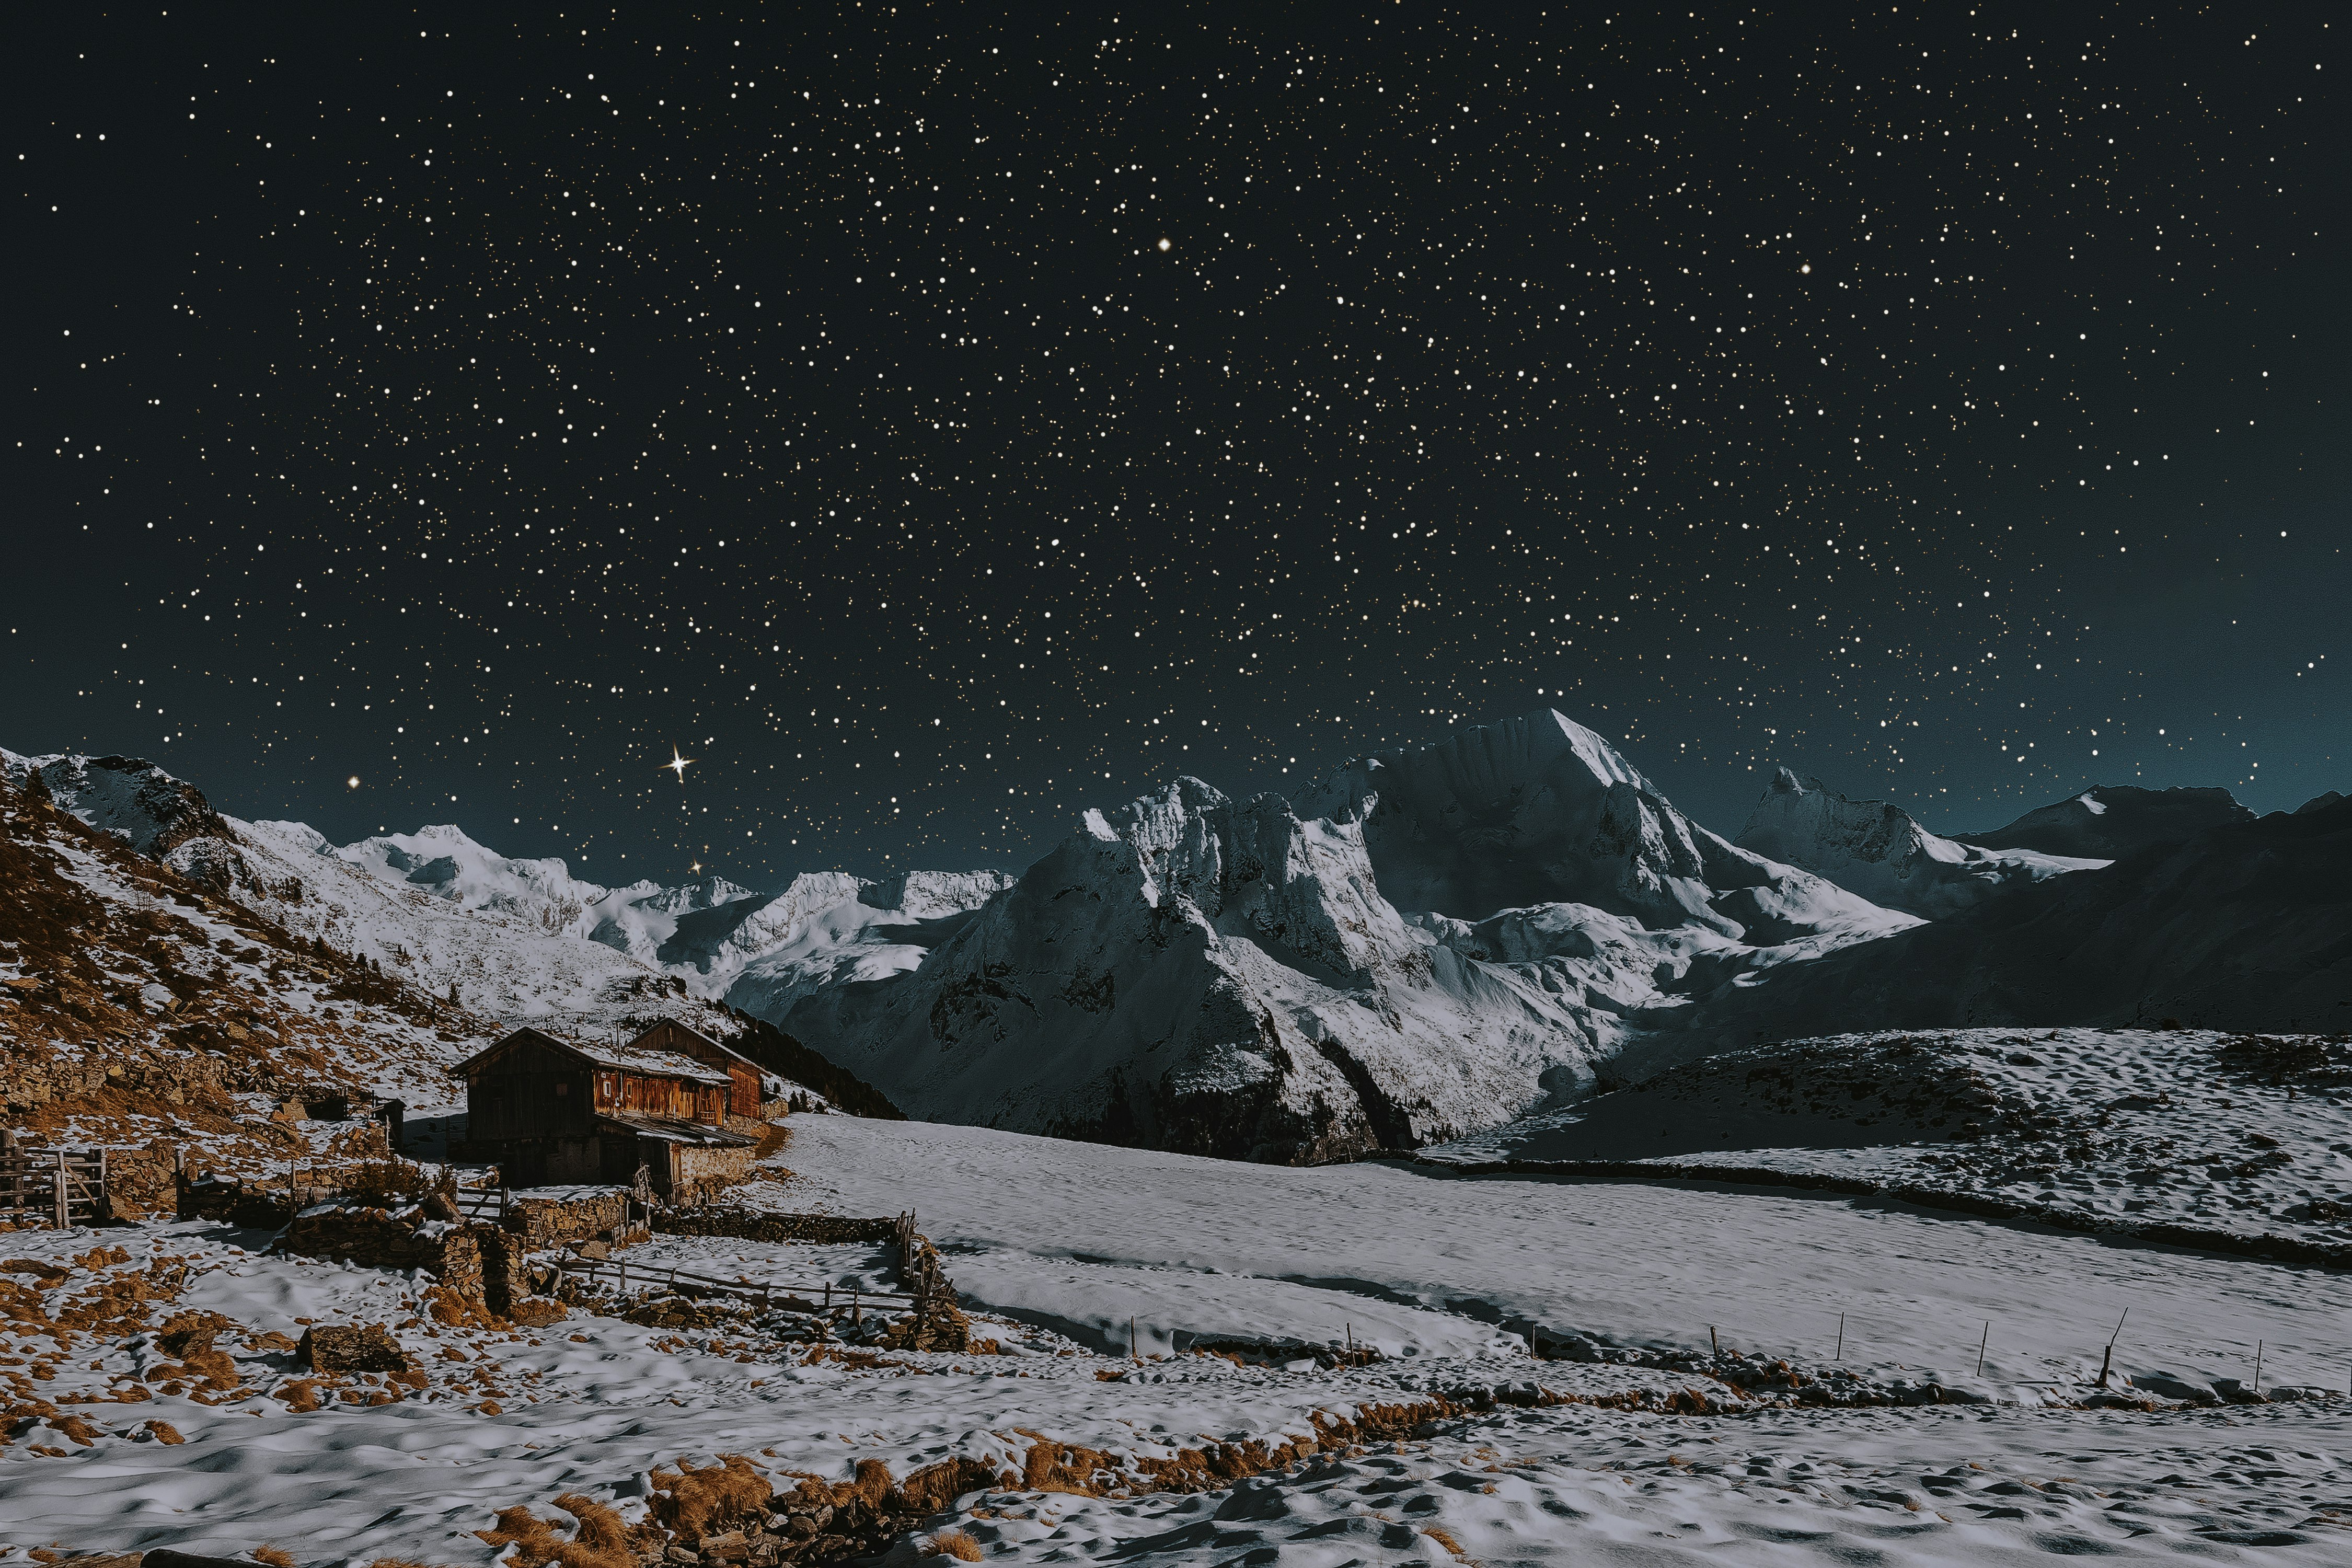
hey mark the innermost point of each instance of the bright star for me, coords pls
(678, 765)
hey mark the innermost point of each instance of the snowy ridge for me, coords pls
(1879, 851)
(2110, 821)
(518, 939)
(1194, 973)
(129, 798)
(1539, 810)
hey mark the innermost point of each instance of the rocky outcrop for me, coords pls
(350, 1348)
(129, 798)
(1877, 851)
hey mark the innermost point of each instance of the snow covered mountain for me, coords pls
(1877, 851)
(1429, 942)
(513, 939)
(1194, 973)
(2109, 821)
(1539, 810)
(2242, 926)
(827, 929)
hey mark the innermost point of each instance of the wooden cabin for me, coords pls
(751, 1085)
(551, 1111)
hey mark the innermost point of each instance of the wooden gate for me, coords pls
(58, 1187)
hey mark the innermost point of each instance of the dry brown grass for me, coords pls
(771, 1141)
(276, 1556)
(689, 1501)
(955, 1543)
(165, 1433)
(601, 1540)
(934, 1488)
(1447, 1541)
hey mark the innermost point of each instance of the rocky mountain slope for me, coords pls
(140, 1010)
(1233, 977)
(1877, 851)
(2107, 821)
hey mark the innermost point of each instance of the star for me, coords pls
(678, 765)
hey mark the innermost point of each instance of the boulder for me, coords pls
(349, 1347)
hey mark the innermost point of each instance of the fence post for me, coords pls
(59, 1192)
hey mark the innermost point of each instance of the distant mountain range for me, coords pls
(1426, 942)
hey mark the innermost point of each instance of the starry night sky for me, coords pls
(933, 424)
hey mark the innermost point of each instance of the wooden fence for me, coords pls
(58, 1187)
(825, 1301)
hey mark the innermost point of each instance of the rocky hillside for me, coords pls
(141, 1009)
(474, 940)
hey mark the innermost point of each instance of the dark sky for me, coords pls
(933, 425)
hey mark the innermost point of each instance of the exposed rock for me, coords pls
(127, 797)
(347, 1347)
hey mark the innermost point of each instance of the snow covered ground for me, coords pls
(2244, 1133)
(1617, 1263)
(1089, 1236)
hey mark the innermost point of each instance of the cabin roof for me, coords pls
(672, 1131)
(640, 1059)
(769, 1078)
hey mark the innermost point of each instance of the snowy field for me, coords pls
(1619, 1262)
(1057, 1247)
(2250, 1135)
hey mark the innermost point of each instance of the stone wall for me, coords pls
(380, 1239)
(700, 1173)
(545, 1222)
(235, 1202)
